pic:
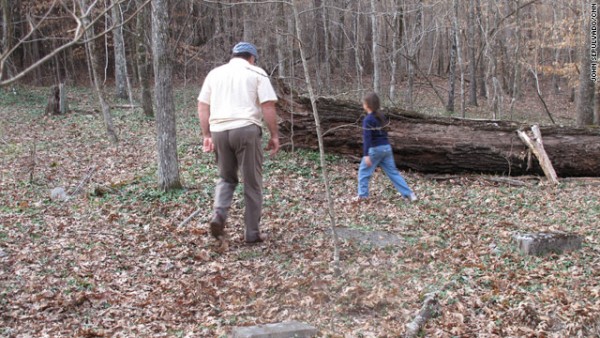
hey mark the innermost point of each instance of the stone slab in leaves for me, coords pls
(277, 330)
(542, 243)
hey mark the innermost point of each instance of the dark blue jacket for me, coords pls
(373, 133)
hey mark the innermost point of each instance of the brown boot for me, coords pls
(217, 225)
(260, 239)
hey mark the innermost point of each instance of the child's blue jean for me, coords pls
(381, 156)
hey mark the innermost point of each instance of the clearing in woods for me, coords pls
(113, 261)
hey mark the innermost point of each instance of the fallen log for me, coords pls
(440, 144)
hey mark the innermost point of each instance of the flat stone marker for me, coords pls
(291, 329)
(58, 194)
(541, 243)
(376, 238)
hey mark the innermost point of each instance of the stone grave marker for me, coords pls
(292, 329)
(541, 243)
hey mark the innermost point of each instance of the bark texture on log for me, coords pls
(437, 144)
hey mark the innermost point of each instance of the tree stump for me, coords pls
(53, 106)
(57, 101)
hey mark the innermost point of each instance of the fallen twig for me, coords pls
(190, 217)
(33, 161)
(539, 93)
(593, 181)
(508, 181)
(126, 106)
(87, 177)
(444, 177)
(430, 308)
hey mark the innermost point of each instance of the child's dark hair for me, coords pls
(372, 101)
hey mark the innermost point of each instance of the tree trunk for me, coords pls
(456, 30)
(56, 66)
(318, 31)
(326, 50)
(143, 64)
(452, 72)
(413, 46)
(441, 64)
(480, 62)
(473, 59)
(516, 87)
(317, 129)
(282, 33)
(340, 57)
(249, 17)
(442, 145)
(356, 49)
(32, 54)
(375, 48)
(585, 105)
(168, 164)
(94, 66)
(7, 35)
(398, 27)
(119, 51)
(318, 45)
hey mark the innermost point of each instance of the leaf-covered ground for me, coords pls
(113, 261)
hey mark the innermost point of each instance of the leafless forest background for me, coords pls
(478, 58)
(92, 246)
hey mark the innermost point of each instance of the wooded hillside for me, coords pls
(106, 206)
(441, 55)
(113, 260)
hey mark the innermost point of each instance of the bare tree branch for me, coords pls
(77, 38)
(4, 56)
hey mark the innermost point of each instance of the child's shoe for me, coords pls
(359, 199)
(410, 198)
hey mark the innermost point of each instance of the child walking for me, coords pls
(377, 151)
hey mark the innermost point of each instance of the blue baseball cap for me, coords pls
(245, 47)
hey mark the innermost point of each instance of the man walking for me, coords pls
(234, 99)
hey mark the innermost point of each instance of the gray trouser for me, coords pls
(240, 149)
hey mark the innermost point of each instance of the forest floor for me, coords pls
(113, 260)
